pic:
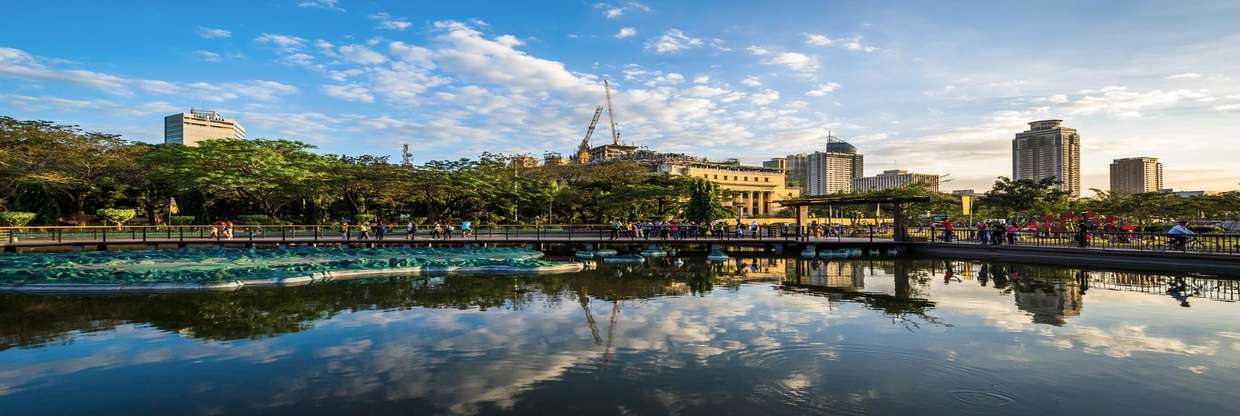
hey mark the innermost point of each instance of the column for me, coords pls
(762, 202)
(747, 197)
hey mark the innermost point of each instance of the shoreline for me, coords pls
(317, 277)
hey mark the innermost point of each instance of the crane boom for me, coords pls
(583, 151)
(615, 135)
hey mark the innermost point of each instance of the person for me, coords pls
(437, 231)
(447, 231)
(1083, 227)
(344, 229)
(411, 230)
(996, 233)
(380, 229)
(615, 229)
(363, 229)
(465, 228)
(1180, 234)
(949, 230)
(1012, 232)
(215, 229)
(1179, 290)
(675, 230)
(753, 229)
(982, 235)
(228, 230)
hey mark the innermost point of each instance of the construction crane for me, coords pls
(615, 134)
(583, 151)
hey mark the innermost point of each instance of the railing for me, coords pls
(1226, 244)
(39, 235)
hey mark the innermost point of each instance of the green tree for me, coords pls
(1024, 198)
(118, 216)
(705, 202)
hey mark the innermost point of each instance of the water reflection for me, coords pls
(750, 335)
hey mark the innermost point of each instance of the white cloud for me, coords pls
(207, 56)
(614, 13)
(701, 79)
(321, 4)
(298, 59)
(819, 40)
(626, 32)
(823, 89)
(758, 50)
(798, 62)
(673, 41)
(349, 93)
(286, 43)
(360, 54)
(1185, 75)
(386, 21)
(853, 43)
(209, 33)
(764, 97)
(1121, 102)
(1226, 107)
(751, 81)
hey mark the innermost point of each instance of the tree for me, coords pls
(270, 174)
(16, 218)
(705, 202)
(1024, 198)
(118, 216)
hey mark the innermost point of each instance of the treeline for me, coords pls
(53, 174)
(63, 175)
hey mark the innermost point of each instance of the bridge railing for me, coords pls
(1222, 244)
(490, 232)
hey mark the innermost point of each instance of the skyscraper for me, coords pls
(197, 125)
(1048, 150)
(832, 171)
(1136, 175)
(894, 179)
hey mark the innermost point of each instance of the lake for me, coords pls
(748, 336)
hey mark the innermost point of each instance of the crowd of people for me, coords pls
(1083, 228)
(379, 230)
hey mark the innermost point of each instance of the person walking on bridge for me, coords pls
(1179, 235)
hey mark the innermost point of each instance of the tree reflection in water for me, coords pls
(1049, 295)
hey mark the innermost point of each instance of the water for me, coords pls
(754, 336)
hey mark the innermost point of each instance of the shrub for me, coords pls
(360, 218)
(182, 219)
(1206, 229)
(16, 218)
(118, 216)
(254, 219)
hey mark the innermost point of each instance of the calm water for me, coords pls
(755, 336)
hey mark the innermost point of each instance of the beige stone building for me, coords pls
(756, 190)
(197, 125)
(1136, 175)
(1048, 150)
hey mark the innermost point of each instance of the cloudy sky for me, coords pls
(926, 87)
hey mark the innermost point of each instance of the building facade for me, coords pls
(892, 179)
(794, 170)
(523, 162)
(1048, 150)
(1136, 175)
(197, 125)
(756, 190)
(832, 171)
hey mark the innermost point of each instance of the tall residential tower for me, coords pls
(1136, 175)
(1048, 150)
(832, 171)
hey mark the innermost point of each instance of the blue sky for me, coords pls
(929, 87)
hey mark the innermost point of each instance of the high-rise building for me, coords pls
(896, 178)
(1048, 150)
(1136, 175)
(834, 170)
(197, 125)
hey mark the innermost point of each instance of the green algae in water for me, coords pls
(203, 265)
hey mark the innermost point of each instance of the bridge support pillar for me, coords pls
(406, 246)
(181, 245)
(716, 253)
(777, 248)
(282, 246)
(654, 251)
(10, 249)
(811, 251)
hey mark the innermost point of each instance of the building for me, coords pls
(554, 159)
(1048, 150)
(964, 192)
(523, 162)
(197, 125)
(832, 171)
(755, 190)
(1186, 194)
(1136, 175)
(794, 169)
(896, 178)
(612, 152)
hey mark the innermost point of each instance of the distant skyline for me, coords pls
(921, 87)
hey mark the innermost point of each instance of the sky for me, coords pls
(929, 87)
